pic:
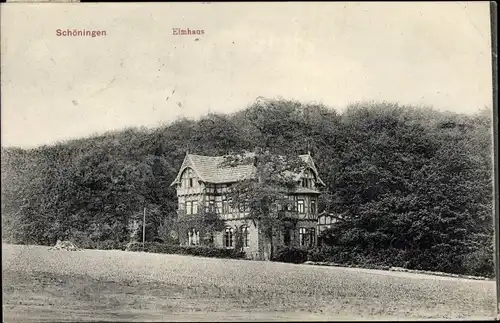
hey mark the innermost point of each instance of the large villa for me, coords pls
(203, 183)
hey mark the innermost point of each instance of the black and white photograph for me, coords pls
(253, 161)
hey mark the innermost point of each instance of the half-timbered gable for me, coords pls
(203, 184)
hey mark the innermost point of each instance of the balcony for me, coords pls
(295, 215)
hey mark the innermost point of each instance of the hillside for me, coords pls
(414, 185)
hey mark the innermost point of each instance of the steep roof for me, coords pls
(209, 170)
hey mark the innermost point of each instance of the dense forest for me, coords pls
(412, 186)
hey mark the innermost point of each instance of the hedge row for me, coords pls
(102, 245)
(291, 254)
(203, 251)
(473, 264)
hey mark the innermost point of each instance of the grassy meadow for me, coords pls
(48, 285)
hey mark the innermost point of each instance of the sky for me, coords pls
(56, 88)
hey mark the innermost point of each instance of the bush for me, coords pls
(101, 245)
(333, 254)
(110, 245)
(202, 251)
(319, 254)
(349, 256)
(477, 263)
(291, 255)
(480, 263)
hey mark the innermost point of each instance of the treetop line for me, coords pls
(412, 186)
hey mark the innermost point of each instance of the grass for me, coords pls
(48, 285)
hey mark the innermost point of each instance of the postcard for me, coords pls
(225, 161)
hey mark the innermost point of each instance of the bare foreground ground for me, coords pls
(47, 285)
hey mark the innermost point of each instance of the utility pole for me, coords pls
(144, 228)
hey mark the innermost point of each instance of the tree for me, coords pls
(205, 223)
(265, 192)
(412, 185)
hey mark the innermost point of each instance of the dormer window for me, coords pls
(188, 178)
(307, 180)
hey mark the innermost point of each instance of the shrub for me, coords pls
(202, 251)
(319, 254)
(291, 255)
(101, 245)
(480, 262)
(86, 244)
(110, 245)
(356, 257)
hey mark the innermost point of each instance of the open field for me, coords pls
(47, 285)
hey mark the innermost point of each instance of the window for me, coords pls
(187, 178)
(279, 207)
(308, 179)
(302, 236)
(244, 235)
(313, 206)
(322, 220)
(228, 237)
(224, 204)
(244, 207)
(300, 206)
(192, 207)
(193, 237)
(292, 206)
(211, 206)
(286, 237)
(312, 237)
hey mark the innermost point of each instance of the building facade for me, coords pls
(203, 185)
(325, 222)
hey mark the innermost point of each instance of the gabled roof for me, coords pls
(208, 169)
(309, 160)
